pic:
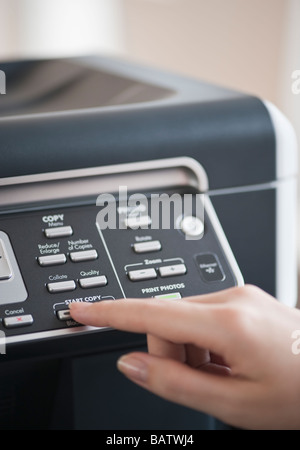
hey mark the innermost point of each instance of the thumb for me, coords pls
(179, 383)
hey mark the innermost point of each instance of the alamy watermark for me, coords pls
(295, 347)
(2, 82)
(296, 82)
(157, 211)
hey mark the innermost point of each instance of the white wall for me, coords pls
(290, 58)
(232, 42)
(8, 28)
(288, 101)
(46, 28)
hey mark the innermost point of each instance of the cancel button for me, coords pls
(18, 321)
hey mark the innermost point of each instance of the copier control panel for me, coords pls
(79, 251)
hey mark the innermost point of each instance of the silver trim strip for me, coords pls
(52, 334)
(41, 188)
(242, 189)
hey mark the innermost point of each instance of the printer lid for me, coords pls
(66, 114)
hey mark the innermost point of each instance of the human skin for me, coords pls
(228, 354)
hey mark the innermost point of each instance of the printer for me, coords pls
(73, 129)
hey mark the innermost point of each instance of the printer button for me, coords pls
(64, 315)
(86, 283)
(192, 226)
(61, 286)
(87, 255)
(18, 321)
(143, 274)
(136, 222)
(147, 247)
(170, 271)
(58, 232)
(210, 267)
(52, 260)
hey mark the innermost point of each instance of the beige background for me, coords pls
(249, 45)
(237, 43)
(253, 45)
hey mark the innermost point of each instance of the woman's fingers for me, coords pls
(213, 322)
(178, 382)
(244, 329)
(178, 322)
(189, 354)
(216, 297)
(166, 349)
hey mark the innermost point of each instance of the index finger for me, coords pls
(178, 322)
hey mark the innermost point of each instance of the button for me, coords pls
(210, 268)
(143, 274)
(192, 226)
(145, 247)
(64, 314)
(52, 260)
(86, 283)
(61, 286)
(169, 271)
(18, 321)
(88, 255)
(172, 296)
(5, 269)
(58, 232)
(137, 222)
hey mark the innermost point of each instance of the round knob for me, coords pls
(192, 226)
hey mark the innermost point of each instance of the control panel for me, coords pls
(86, 252)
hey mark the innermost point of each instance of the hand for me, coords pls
(228, 354)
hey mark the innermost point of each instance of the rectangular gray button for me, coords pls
(57, 232)
(52, 260)
(169, 271)
(61, 286)
(88, 255)
(5, 269)
(143, 274)
(64, 314)
(18, 321)
(146, 247)
(86, 283)
(137, 222)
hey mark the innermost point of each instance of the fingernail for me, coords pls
(79, 308)
(133, 367)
